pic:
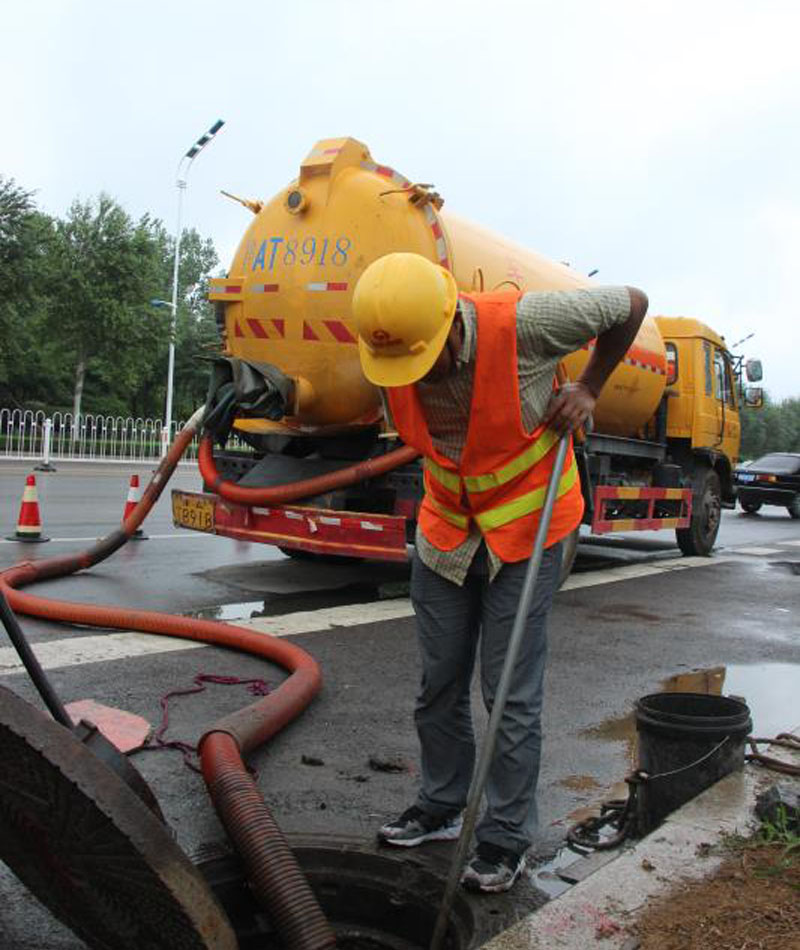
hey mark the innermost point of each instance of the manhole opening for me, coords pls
(371, 901)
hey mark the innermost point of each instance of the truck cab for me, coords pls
(703, 426)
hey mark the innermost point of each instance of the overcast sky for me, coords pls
(656, 141)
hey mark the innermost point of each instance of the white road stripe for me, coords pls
(74, 651)
(755, 551)
(93, 540)
(56, 654)
(628, 571)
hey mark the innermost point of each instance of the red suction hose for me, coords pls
(273, 873)
(283, 494)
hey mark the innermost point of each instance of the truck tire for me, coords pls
(794, 508)
(750, 507)
(569, 550)
(699, 538)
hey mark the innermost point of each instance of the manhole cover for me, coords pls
(88, 847)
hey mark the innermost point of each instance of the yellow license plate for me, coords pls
(193, 511)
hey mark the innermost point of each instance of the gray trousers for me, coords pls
(451, 622)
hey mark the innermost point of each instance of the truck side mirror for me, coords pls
(754, 397)
(753, 371)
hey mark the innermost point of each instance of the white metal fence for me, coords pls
(28, 435)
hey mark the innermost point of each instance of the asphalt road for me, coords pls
(634, 615)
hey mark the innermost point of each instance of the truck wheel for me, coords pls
(569, 550)
(751, 507)
(794, 508)
(699, 537)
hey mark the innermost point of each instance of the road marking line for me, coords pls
(626, 572)
(349, 615)
(791, 542)
(153, 537)
(55, 654)
(756, 550)
(74, 651)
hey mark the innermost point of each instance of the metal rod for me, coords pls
(504, 685)
(32, 665)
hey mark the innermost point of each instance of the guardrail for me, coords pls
(30, 435)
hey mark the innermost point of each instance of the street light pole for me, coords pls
(182, 173)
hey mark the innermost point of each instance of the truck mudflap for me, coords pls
(630, 508)
(314, 530)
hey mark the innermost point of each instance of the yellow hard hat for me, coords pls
(404, 306)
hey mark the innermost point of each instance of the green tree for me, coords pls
(773, 428)
(196, 335)
(26, 244)
(105, 270)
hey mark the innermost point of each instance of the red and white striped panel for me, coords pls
(431, 217)
(441, 243)
(327, 331)
(264, 288)
(223, 290)
(318, 530)
(385, 172)
(271, 329)
(325, 285)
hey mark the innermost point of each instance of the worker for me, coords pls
(469, 381)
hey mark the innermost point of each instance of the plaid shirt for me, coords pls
(549, 326)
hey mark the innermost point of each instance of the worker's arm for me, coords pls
(573, 404)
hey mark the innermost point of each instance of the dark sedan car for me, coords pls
(773, 479)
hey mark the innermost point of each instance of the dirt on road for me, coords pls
(752, 902)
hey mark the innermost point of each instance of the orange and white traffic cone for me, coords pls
(29, 524)
(130, 503)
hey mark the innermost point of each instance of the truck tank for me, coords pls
(287, 295)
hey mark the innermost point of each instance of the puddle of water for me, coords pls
(279, 604)
(793, 567)
(769, 689)
(244, 611)
(545, 876)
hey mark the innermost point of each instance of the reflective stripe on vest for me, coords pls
(478, 483)
(502, 514)
(460, 521)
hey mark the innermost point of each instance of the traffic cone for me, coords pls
(29, 525)
(130, 503)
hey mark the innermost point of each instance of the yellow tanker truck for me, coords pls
(315, 470)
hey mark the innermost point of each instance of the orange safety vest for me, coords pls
(502, 479)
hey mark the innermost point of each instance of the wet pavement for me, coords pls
(727, 626)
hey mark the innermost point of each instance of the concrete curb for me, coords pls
(601, 909)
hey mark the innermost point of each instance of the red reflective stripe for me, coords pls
(237, 329)
(257, 329)
(308, 333)
(337, 286)
(339, 331)
(280, 326)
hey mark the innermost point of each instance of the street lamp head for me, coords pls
(161, 303)
(204, 139)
